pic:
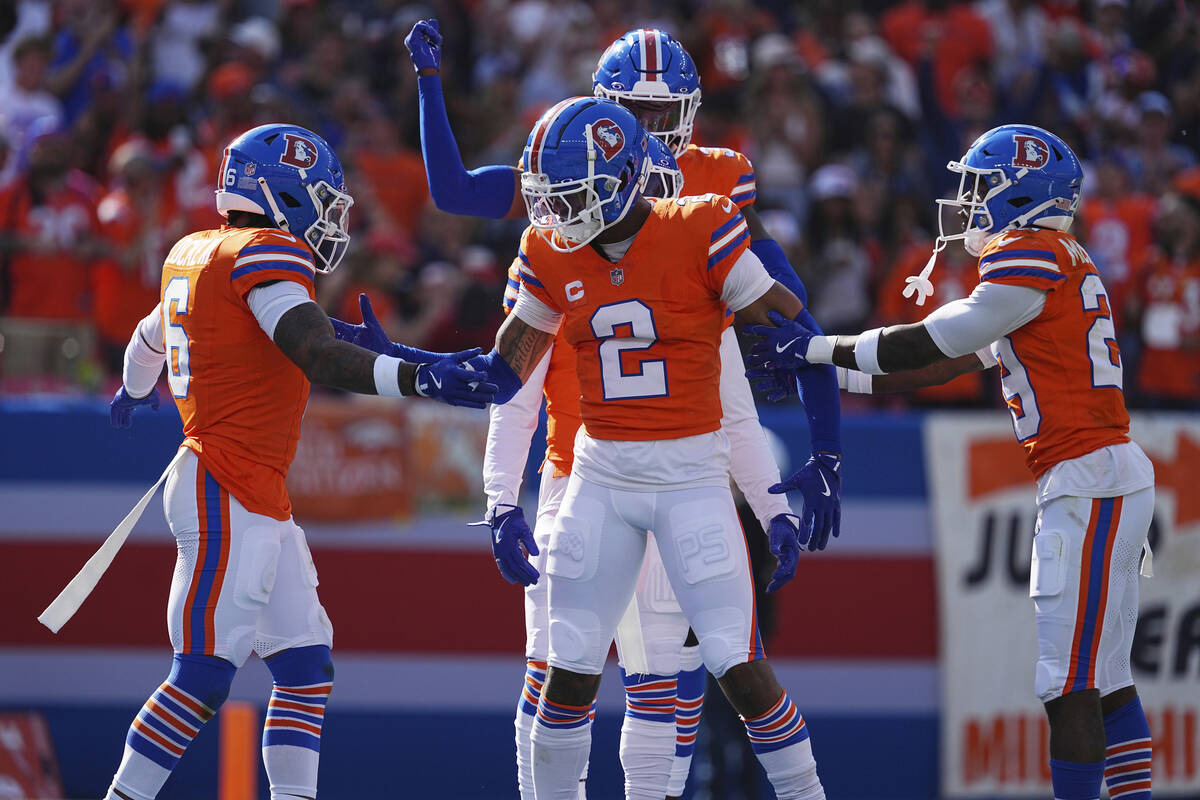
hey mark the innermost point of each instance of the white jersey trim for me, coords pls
(534, 312)
(746, 282)
(268, 303)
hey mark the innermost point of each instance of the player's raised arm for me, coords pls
(492, 191)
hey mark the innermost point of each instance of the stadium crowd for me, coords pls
(113, 114)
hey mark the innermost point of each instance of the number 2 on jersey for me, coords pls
(174, 305)
(651, 378)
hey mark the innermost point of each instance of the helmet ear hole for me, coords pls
(288, 200)
(1019, 202)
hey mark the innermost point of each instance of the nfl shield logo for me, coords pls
(617, 276)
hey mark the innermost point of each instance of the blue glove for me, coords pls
(775, 383)
(784, 345)
(820, 484)
(424, 43)
(786, 538)
(450, 381)
(371, 336)
(120, 410)
(512, 542)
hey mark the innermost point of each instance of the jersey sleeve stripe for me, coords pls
(1046, 255)
(1029, 272)
(725, 228)
(274, 248)
(270, 265)
(737, 230)
(742, 188)
(243, 261)
(747, 178)
(527, 277)
(514, 284)
(1033, 263)
(729, 248)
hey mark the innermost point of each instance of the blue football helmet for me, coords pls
(650, 73)
(665, 178)
(291, 176)
(586, 163)
(1011, 177)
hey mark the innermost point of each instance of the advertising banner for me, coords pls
(994, 736)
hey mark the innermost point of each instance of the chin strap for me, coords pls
(919, 284)
(280, 219)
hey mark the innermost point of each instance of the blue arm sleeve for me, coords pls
(822, 399)
(775, 260)
(818, 385)
(483, 192)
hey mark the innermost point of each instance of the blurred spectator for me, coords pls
(1169, 376)
(49, 219)
(93, 53)
(1116, 223)
(177, 53)
(839, 269)
(140, 219)
(1153, 159)
(26, 101)
(20, 20)
(950, 34)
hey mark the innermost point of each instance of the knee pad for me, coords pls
(206, 678)
(302, 666)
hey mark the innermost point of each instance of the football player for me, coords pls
(1039, 312)
(653, 75)
(643, 309)
(242, 338)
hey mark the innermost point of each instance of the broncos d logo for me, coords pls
(1031, 152)
(609, 137)
(298, 152)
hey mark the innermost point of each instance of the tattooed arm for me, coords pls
(305, 335)
(521, 345)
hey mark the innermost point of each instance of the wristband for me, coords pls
(387, 376)
(866, 352)
(820, 350)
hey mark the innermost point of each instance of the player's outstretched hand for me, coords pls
(774, 383)
(424, 43)
(450, 381)
(512, 544)
(120, 410)
(371, 336)
(786, 537)
(820, 484)
(784, 345)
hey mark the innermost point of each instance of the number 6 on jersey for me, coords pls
(651, 378)
(174, 305)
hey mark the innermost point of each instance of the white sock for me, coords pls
(137, 770)
(561, 738)
(291, 770)
(524, 726)
(793, 772)
(647, 753)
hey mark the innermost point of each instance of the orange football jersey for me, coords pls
(718, 170)
(715, 170)
(1060, 372)
(240, 397)
(646, 330)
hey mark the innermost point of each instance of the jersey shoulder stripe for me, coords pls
(527, 277)
(727, 244)
(271, 264)
(1028, 271)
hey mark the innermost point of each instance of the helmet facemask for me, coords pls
(328, 236)
(670, 117)
(976, 188)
